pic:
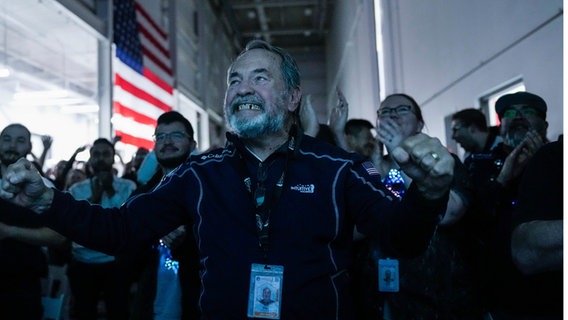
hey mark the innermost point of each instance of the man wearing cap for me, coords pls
(520, 112)
(496, 177)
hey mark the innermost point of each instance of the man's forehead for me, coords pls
(101, 147)
(15, 131)
(255, 59)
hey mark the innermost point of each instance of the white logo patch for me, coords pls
(304, 188)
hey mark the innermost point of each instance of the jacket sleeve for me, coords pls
(403, 227)
(139, 222)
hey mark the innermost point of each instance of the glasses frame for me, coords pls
(400, 110)
(524, 112)
(162, 136)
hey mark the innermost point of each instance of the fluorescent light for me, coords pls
(45, 102)
(87, 108)
(29, 95)
(5, 72)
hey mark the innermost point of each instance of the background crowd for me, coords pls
(496, 252)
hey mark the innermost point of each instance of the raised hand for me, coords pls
(427, 162)
(308, 117)
(46, 141)
(338, 119)
(23, 185)
(518, 159)
(389, 133)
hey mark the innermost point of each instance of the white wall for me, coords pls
(351, 58)
(437, 44)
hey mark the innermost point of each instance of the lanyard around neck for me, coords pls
(263, 208)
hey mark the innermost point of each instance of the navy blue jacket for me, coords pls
(326, 192)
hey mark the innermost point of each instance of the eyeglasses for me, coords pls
(525, 112)
(175, 136)
(399, 111)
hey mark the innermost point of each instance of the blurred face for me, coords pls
(172, 144)
(14, 144)
(362, 142)
(75, 176)
(462, 134)
(102, 158)
(139, 157)
(59, 167)
(400, 110)
(257, 102)
(517, 120)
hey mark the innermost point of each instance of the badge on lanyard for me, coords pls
(388, 275)
(265, 292)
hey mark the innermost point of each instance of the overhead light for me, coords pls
(308, 12)
(88, 108)
(5, 72)
(47, 94)
(45, 98)
(45, 102)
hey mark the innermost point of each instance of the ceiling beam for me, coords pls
(275, 4)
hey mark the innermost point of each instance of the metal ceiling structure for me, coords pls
(291, 24)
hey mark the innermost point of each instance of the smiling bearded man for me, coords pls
(273, 208)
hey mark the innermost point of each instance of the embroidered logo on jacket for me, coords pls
(304, 188)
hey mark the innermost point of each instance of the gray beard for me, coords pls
(265, 124)
(516, 133)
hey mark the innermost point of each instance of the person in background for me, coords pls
(22, 263)
(92, 273)
(132, 166)
(273, 207)
(470, 130)
(496, 177)
(537, 240)
(359, 137)
(168, 285)
(436, 284)
(325, 132)
(58, 174)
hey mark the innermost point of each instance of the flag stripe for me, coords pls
(145, 14)
(133, 140)
(149, 55)
(133, 102)
(129, 113)
(158, 76)
(140, 93)
(143, 75)
(148, 40)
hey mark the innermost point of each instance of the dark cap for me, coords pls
(521, 97)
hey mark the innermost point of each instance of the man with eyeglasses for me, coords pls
(167, 273)
(496, 177)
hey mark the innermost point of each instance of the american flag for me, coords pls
(370, 168)
(143, 76)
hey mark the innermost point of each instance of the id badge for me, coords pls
(265, 292)
(388, 275)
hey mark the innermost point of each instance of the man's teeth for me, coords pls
(248, 106)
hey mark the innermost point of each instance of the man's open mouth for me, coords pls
(248, 106)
